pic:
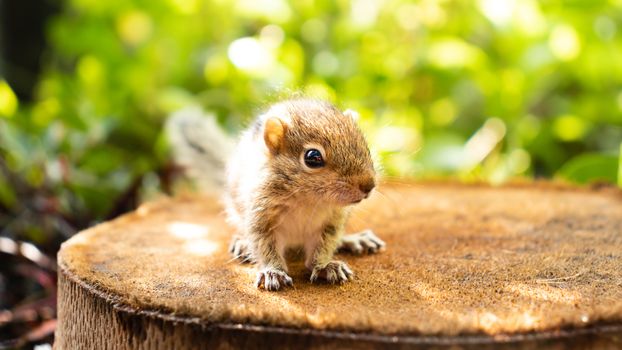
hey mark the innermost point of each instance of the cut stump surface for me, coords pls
(520, 265)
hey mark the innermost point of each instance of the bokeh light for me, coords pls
(481, 90)
(8, 100)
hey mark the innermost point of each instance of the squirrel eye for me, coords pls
(313, 158)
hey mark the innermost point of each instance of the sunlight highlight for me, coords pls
(30, 251)
(272, 10)
(555, 295)
(250, 55)
(406, 16)
(395, 139)
(8, 246)
(364, 13)
(565, 43)
(488, 321)
(529, 18)
(187, 231)
(524, 14)
(201, 247)
(8, 100)
(81, 239)
(484, 141)
(498, 12)
(196, 237)
(431, 13)
(272, 36)
(529, 320)
(454, 53)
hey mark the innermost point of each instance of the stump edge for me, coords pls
(91, 318)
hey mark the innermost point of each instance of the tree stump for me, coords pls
(466, 266)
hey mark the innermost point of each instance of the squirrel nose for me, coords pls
(366, 187)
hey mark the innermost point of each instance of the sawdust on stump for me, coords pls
(462, 262)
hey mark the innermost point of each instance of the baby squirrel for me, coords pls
(291, 182)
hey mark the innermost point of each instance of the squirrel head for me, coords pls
(317, 150)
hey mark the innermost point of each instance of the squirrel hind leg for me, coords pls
(240, 249)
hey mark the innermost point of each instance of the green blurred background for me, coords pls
(487, 90)
(484, 90)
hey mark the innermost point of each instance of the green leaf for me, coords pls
(590, 167)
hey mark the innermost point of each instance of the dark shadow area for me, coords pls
(23, 42)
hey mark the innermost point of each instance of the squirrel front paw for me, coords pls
(273, 279)
(361, 242)
(334, 272)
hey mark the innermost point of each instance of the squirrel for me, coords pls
(290, 182)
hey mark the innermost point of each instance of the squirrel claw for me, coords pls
(359, 243)
(240, 250)
(273, 279)
(334, 272)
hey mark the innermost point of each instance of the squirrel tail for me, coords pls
(199, 146)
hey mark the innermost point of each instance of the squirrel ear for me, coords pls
(273, 134)
(352, 114)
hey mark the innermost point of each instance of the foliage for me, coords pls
(483, 90)
(591, 167)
